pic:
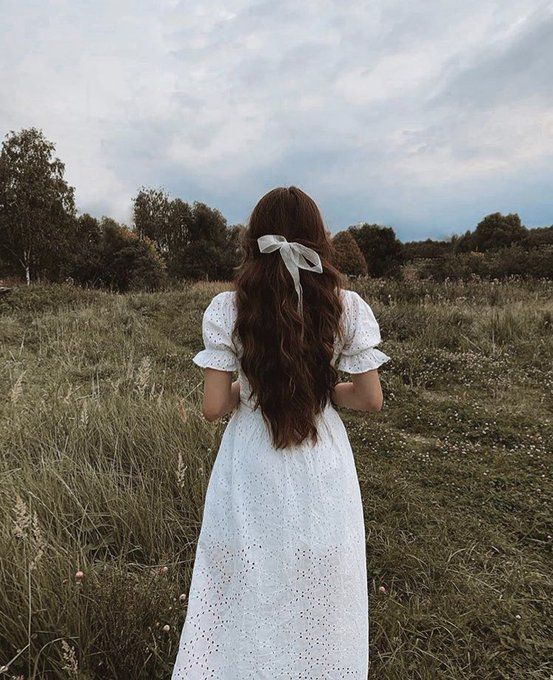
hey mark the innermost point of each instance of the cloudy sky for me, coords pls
(423, 114)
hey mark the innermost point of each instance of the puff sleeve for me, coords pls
(362, 333)
(217, 325)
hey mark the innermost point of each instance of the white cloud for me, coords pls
(387, 111)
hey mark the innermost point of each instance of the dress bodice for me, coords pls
(354, 351)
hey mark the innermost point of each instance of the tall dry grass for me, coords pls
(105, 459)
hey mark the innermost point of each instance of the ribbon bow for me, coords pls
(296, 256)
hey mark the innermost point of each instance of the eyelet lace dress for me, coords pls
(279, 586)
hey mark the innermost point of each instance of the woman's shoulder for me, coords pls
(349, 293)
(225, 298)
(356, 309)
(350, 298)
(226, 301)
(222, 305)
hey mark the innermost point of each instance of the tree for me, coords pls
(494, 232)
(208, 249)
(463, 243)
(207, 259)
(86, 251)
(152, 217)
(348, 257)
(194, 241)
(181, 219)
(538, 237)
(382, 250)
(129, 262)
(232, 252)
(37, 206)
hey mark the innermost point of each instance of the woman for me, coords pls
(279, 586)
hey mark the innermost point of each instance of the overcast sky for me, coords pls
(424, 115)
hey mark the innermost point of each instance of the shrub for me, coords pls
(381, 248)
(128, 262)
(513, 261)
(426, 249)
(348, 257)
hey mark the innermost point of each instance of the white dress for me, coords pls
(279, 586)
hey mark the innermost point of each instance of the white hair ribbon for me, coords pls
(296, 256)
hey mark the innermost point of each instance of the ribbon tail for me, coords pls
(292, 267)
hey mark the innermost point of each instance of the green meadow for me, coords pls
(105, 460)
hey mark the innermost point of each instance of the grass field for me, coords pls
(104, 462)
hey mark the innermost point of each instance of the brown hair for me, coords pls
(286, 356)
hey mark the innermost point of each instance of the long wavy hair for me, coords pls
(287, 357)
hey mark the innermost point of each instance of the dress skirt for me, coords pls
(279, 585)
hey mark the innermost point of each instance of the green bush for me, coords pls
(128, 262)
(501, 264)
(382, 250)
(348, 257)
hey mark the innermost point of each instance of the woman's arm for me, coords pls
(364, 393)
(221, 394)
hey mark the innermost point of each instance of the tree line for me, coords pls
(42, 238)
(500, 246)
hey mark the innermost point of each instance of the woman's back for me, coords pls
(279, 586)
(354, 349)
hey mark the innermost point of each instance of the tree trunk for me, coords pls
(27, 265)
